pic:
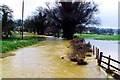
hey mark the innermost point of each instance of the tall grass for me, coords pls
(16, 42)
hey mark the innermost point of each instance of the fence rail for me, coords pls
(100, 56)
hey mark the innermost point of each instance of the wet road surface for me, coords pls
(44, 61)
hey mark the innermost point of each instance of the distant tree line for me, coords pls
(104, 31)
(118, 31)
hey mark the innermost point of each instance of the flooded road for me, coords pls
(44, 61)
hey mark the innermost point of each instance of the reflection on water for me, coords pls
(107, 47)
(45, 62)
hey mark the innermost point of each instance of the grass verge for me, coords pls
(99, 37)
(16, 43)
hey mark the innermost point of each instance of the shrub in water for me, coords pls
(80, 48)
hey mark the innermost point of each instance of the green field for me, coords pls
(15, 43)
(99, 37)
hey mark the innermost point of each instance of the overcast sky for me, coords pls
(108, 10)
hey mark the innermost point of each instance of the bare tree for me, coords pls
(37, 22)
(70, 15)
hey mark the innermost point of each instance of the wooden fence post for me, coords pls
(100, 58)
(93, 50)
(108, 68)
(98, 55)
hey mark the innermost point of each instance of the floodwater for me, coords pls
(107, 47)
(44, 61)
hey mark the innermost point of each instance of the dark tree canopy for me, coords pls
(37, 22)
(18, 22)
(7, 20)
(70, 15)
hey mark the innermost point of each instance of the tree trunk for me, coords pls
(68, 30)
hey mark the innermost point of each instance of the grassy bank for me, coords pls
(16, 43)
(99, 37)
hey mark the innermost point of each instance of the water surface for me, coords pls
(44, 61)
(107, 47)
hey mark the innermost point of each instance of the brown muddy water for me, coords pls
(44, 61)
